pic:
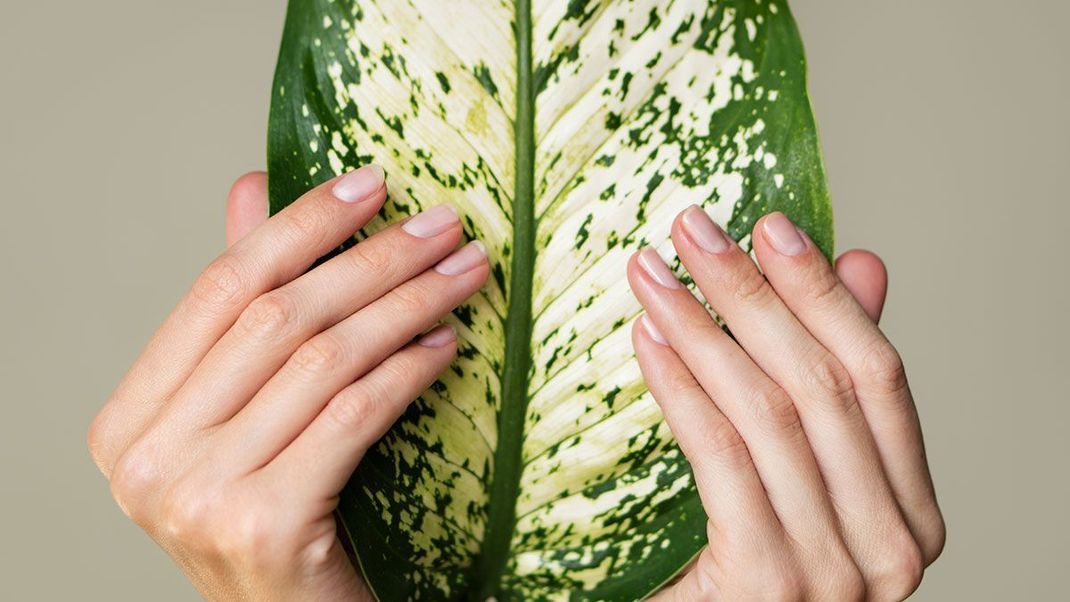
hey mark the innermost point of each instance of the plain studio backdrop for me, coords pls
(946, 136)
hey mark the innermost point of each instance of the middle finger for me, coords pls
(815, 380)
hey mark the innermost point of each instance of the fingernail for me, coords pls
(432, 222)
(706, 234)
(438, 337)
(652, 330)
(360, 184)
(782, 234)
(653, 265)
(463, 260)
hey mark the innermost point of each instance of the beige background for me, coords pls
(946, 132)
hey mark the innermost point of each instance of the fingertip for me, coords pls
(249, 189)
(439, 337)
(650, 330)
(247, 205)
(871, 260)
(763, 252)
(637, 338)
(631, 269)
(253, 181)
(644, 347)
(864, 274)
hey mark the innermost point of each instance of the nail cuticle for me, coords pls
(432, 222)
(463, 260)
(438, 337)
(704, 232)
(783, 235)
(652, 331)
(360, 184)
(656, 268)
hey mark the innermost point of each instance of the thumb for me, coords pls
(247, 206)
(864, 274)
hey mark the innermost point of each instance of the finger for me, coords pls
(276, 252)
(864, 275)
(269, 331)
(760, 411)
(322, 458)
(815, 380)
(247, 206)
(337, 357)
(807, 284)
(731, 491)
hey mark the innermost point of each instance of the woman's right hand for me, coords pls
(232, 435)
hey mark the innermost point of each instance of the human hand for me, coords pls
(802, 433)
(232, 435)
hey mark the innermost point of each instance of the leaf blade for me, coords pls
(637, 109)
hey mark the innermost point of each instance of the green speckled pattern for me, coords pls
(568, 133)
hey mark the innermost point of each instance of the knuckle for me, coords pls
(705, 584)
(784, 584)
(351, 409)
(255, 537)
(188, 515)
(322, 548)
(411, 300)
(883, 368)
(775, 410)
(372, 258)
(268, 315)
(752, 288)
(402, 368)
(136, 476)
(309, 224)
(740, 570)
(900, 573)
(847, 583)
(681, 385)
(211, 520)
(319, 356)
(831, 381)
(724, 442)
(98, 440)
(221, 285)
(932, 544)
(823, 285)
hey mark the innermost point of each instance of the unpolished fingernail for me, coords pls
(653, 265)
(706, 234)
(432, 222)
(438, 337)
(463, 260)
(360, 184)
(782, 234)
(652, 330)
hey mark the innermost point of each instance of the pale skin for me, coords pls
(231, 437)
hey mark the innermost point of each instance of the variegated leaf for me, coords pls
(568, 133)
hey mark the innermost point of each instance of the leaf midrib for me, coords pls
(490, 565)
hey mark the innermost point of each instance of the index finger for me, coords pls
(728, 483)
(273, 254)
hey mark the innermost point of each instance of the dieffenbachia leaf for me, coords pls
(568, 133)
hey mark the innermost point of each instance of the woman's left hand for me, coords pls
(802, 432)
